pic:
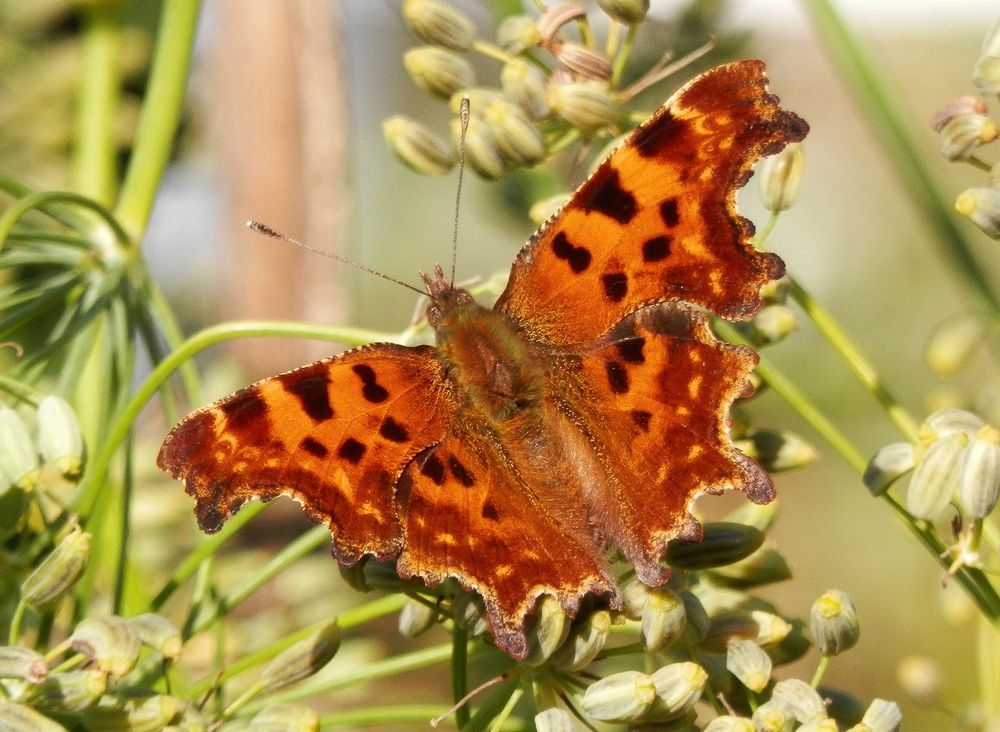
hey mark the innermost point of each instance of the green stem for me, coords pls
(346, 620)
(303, 545)
(408, 714)
(124, 519)
(14, 636)
(896, 138)
(41, 201)
(974, 581)
(821, 667)
(372, 671)
(161, 113)
(98, 471)
(855, 360)
(98, 104)
(623, 54)
(460, 672)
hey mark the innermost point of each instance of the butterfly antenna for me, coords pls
(464, 116)
(268, 231)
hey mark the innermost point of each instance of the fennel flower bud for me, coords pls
(663, 619)
(546, 630)
(986, 73)
(589, 105)
(517, 33)
(20, 718)
(982, 207)
(438, 71)
(887, 465)
(622, 697)
(722, 543)
(525, 85)
(780, 176)
(59, 571)
(109, 642)
(962, 135)
(302, 659)
(749, 663)
(678, 688)
(18, 454)
(833, 623)
(416, 146)
(803, 700)
(979, 475)
(629, 12)
(440, 24)
(586, 639)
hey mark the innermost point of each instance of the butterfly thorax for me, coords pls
(486, 358)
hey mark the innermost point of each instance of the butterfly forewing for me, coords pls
(657, 219)
(334, 435)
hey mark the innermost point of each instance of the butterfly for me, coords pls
(585, 411)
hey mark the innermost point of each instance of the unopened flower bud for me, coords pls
(546, 630)
(777, 450)
(774, 716)
(957, 107)
(935, 478)
(416, 146)
(158, 633)
(833, 623)
(663, 619)
(22, 663)
(954, 343)
(481, 150)
(18, 454)
(440, 24)
(678, 688)
(622, 697)
(542, 211)
(722, 543)
(416, 618)
(20, 718)
(946, 422)
(881, 716)
(469, 613)
(696, 620)
(729, 723)
(589, 106)
(792, 647)
(887, 465)
(961, 136)
(765, 566)
(438, 71)
(920, 678)
(516, 136)
(986, 73)
(59, 571)
(982, 207)
(583, 62)
(586, 639)
(749, 664)
(554, 720)
(302, 659)
(109, 642)
(285, 717)
(73, 691)
(771, 628)
(517, 33)
(628, 12)
(772, 324)
(151, 712)
(780, 176)
(979, 476)
(525, 85)
(803, 700)
(59, 438)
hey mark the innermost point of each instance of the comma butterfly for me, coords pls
(587, 409)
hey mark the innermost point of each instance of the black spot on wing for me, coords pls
(246, 410)
(433, 468)
(615, 286)
(490, 512)
(462, 474)
(669, 212)
(313, 447)
(371, 390)
(641, 417)
(578, 258)
(351, 450)
(631, 350)
(311, 391)
(656, 136)
(393, 430)
(617, 377)
(656, 249)
(604, 193)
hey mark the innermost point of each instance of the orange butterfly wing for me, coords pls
(657, 219)
(335, 435)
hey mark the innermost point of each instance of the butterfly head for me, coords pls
(445, 297)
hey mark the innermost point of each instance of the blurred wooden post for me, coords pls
(280, 140)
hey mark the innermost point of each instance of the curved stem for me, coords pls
(98, 104)
(896, 138)
(41, 200)
(160, 115)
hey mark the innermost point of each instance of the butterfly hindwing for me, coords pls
(657, 219)
(335, 435)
